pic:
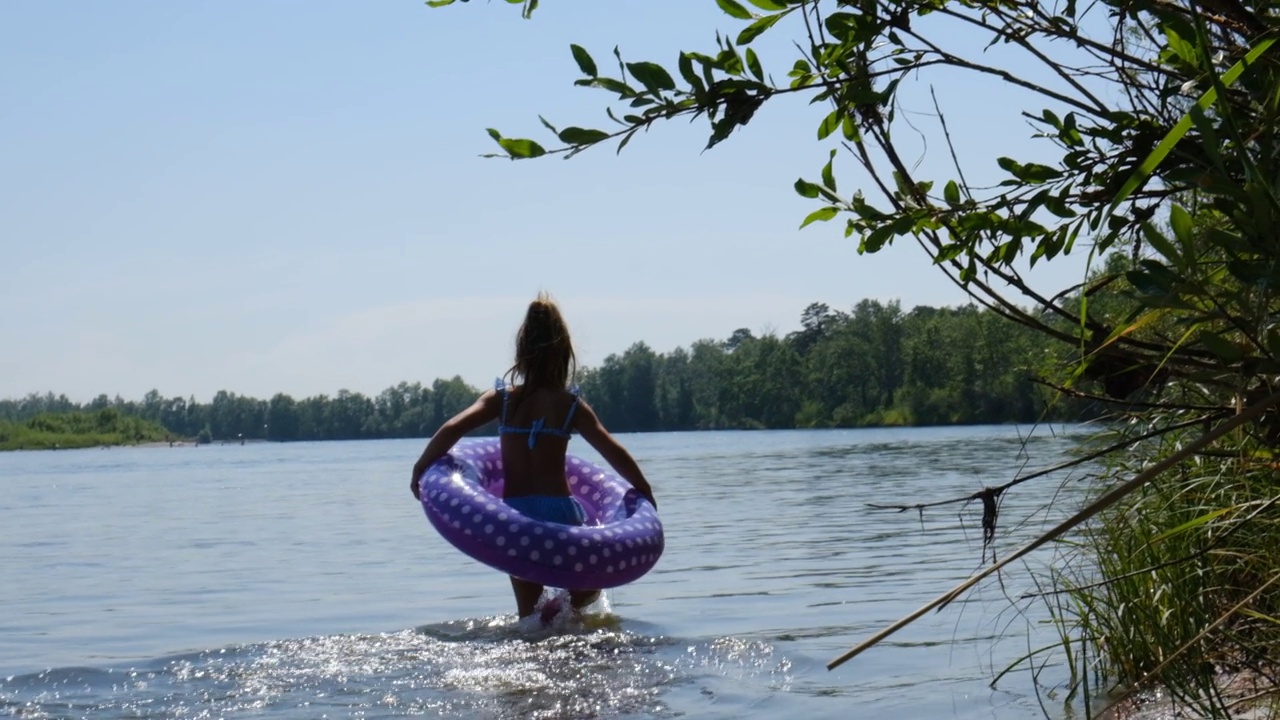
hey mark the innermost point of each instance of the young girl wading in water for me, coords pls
(536, 413)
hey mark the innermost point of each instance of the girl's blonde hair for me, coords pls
(544, 351)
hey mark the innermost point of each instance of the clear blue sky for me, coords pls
(288, 196)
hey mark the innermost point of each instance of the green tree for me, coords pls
(284, 422)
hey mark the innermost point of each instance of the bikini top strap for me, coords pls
(568, 421)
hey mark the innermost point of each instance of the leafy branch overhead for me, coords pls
(1199, 92)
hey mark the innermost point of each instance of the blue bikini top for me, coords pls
(539, 425)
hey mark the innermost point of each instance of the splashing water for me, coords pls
(493, 667)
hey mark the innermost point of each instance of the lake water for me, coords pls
(303, 581)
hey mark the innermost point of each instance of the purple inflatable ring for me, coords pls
(622, 540)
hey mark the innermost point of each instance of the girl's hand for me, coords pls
(413, 484)
(648, 495)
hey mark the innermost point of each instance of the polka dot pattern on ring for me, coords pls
(462, 500)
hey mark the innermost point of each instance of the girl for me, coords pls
(536, 415)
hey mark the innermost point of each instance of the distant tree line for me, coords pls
(875, 365)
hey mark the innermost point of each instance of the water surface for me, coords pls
(303, 581)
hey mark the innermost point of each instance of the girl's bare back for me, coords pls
(536, 470)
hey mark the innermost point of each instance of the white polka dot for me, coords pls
(478, 517)
(537, 531)
(456, 524)
(490, 507)
(591, 559)
(503, 517)
(572, 550)
(501, 540)
(577, 567)
(524, 540)
(609, 569)
(512, 552)
(534, 555)
(563, 536)
(466, 509)
(557, 560)
(488, 529)
(513, 527)
(618, 547)
(605, 552)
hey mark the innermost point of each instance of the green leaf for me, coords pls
(755, 29)
(1220, 346)
(516, 147)
(849, 128)
(1161, 244)
(626, 139)
(948, 252)
(686, 71)
(828, 175)
(829, 124)
(1180, 221)
(807, 189)
(585, 63)
(952, 193)
(1037, 173)
(520, 148)
(439, 3)
(1032, 173)
(820, 215)
(769, 5)
(753, 64)
(1190, 525)
(582, 136)
(1180, 47)
(653, 76)
(1056, 205)
(622, 89)
(733, 9)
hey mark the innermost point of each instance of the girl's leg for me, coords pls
(582, 598)
(527, 595)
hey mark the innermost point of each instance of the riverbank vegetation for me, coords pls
(75, 429)
(1157, 157)
(871, 365)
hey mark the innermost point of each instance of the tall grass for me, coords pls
(1182, 588)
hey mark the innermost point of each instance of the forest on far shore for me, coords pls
(872, 366)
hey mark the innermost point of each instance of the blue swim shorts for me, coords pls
(550, 508)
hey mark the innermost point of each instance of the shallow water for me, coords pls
(302, 581)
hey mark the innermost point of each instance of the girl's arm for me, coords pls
(593, 431)
(485, 409)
